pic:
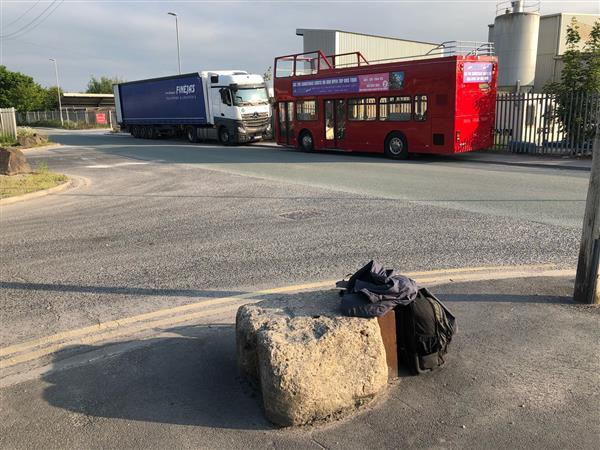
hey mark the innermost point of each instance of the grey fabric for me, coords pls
(372, 291)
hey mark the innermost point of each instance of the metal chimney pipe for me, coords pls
(518, 6)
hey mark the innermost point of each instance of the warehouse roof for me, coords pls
(76, 99)
(301, 31)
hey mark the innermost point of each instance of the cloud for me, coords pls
(136, 40)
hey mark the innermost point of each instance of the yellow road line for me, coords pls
(121, 323)
(95, 338)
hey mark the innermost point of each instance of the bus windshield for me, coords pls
(250, 96)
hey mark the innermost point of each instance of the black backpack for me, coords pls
(424, 330)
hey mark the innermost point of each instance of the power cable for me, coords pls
(34, 19)
(35, 22)
(19, 18)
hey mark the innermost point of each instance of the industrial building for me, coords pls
(373, 48)
(79, 101)
(529, 46)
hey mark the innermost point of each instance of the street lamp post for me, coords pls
(177, 32)
(58, 91)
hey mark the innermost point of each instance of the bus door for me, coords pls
(335, 123)
(286, 122)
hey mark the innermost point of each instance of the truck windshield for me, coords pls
(250, 96)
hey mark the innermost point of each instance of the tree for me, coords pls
(268, 75)
(578, 90)
(51, 98)
(102, 85)
(20, 91)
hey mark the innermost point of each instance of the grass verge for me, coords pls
(11, 186)
(7, 140)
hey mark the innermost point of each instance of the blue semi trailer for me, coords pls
(230, 106)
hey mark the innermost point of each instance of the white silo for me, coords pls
(515, 37)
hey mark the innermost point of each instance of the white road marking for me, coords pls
(108, 166)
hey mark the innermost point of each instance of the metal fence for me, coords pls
(80, 117)
(8, 122)
(546, 123)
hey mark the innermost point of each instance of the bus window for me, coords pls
(306, 110)
(395, 108)
(420, 107)
(362, 109)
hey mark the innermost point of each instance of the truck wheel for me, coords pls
(191, 134)
(306, 142)
(151, 133)
(135, 132)
(224, 136)
(395, 146)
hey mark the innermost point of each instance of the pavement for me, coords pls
(522, 373)
(500, 158)
(197, 230)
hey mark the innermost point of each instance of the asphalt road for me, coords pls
(162, 223)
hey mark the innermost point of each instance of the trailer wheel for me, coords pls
(192, 134)
(151, 132)
(135, 132)
(395, 146)
(306, 142)
(224, 136)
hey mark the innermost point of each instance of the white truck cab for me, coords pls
(238, 105)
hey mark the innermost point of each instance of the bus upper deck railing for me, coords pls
(311, 63)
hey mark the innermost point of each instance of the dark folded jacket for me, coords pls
(372, 291)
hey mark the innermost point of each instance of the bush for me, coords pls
(26, 132)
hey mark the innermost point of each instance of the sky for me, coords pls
(136, 39)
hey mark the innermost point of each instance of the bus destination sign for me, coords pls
(477, 72)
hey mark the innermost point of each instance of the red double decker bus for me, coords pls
(442, 102)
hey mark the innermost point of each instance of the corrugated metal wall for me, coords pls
(323, 40)
(547, 50)
(375, 48)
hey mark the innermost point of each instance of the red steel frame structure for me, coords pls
(432, 104)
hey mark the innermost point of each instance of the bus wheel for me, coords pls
(306, 142)
(224, 136)
(192, 134)
(395, 146)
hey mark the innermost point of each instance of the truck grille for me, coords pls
(255, 120)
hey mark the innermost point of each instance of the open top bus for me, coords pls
(442, 102)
